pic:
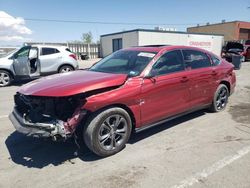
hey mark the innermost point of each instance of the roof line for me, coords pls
(158, 31)
(218, 24)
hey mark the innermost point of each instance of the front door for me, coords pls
(166, 93)
(21, 62)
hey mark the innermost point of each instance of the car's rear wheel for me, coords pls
(220, 98)
(66, 68)
(5, 78)
(106, 132)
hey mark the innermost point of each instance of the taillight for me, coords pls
(73, 56)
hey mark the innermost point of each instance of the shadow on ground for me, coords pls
(21, 82)
(39, 153)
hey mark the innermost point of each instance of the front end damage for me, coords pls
(55, 117)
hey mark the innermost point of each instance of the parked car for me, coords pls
(233, 49)
(246, 52)
(128, 91)
(35, 61)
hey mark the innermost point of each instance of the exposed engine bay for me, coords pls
(58, 116)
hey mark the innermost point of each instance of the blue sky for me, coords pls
(139, 11)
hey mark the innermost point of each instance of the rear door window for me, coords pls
(196, 59)
(170, 62)
(48, 51)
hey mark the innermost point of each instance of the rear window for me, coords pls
(48, 51)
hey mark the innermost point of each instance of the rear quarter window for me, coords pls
(48, 51)
(216, 61)
(67, 49)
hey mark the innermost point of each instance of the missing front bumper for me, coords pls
(54, 129)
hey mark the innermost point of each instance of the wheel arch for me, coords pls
(226, 83)
(9, 71)
(124, 107)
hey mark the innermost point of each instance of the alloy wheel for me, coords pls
(4, 79)
(221, 99)
(112, 132)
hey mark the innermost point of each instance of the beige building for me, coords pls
(141, 37)
(232, 31)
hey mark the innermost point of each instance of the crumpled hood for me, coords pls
(71, 83)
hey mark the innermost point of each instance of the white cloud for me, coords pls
(13, 29)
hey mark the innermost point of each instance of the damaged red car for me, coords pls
(128, 91)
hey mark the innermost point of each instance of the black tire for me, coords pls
(65, 68)
(5, 78)
(220, 98)
(107, 132)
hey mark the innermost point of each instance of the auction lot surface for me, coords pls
(201, 149)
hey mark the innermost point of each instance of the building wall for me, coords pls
(231, 30)
(151, 38)
(208, 42)
(227, 29)
(128, 39)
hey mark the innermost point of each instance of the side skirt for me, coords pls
(145, 127)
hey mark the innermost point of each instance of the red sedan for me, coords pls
(130, 90)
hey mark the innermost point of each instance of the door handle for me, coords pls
(184, 79)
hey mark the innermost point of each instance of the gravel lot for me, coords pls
(201, 149)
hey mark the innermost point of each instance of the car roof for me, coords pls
(158, 48)
(48, 46)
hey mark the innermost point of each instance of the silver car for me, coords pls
(34, 61)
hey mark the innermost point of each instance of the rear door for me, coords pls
(21, 62)
(50, 59)
(202, 76)
(166, 94)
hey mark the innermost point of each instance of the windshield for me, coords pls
(127, 62)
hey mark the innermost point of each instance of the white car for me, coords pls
(34, 61)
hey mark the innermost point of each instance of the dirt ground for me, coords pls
(201, 149)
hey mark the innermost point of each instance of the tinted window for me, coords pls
(48, 51)
(215, 60)
(195, 59)
(169, 63)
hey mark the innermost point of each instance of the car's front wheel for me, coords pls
(220, 98)
(106, 132)
(5, 78)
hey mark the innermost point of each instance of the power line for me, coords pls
(99, 22)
